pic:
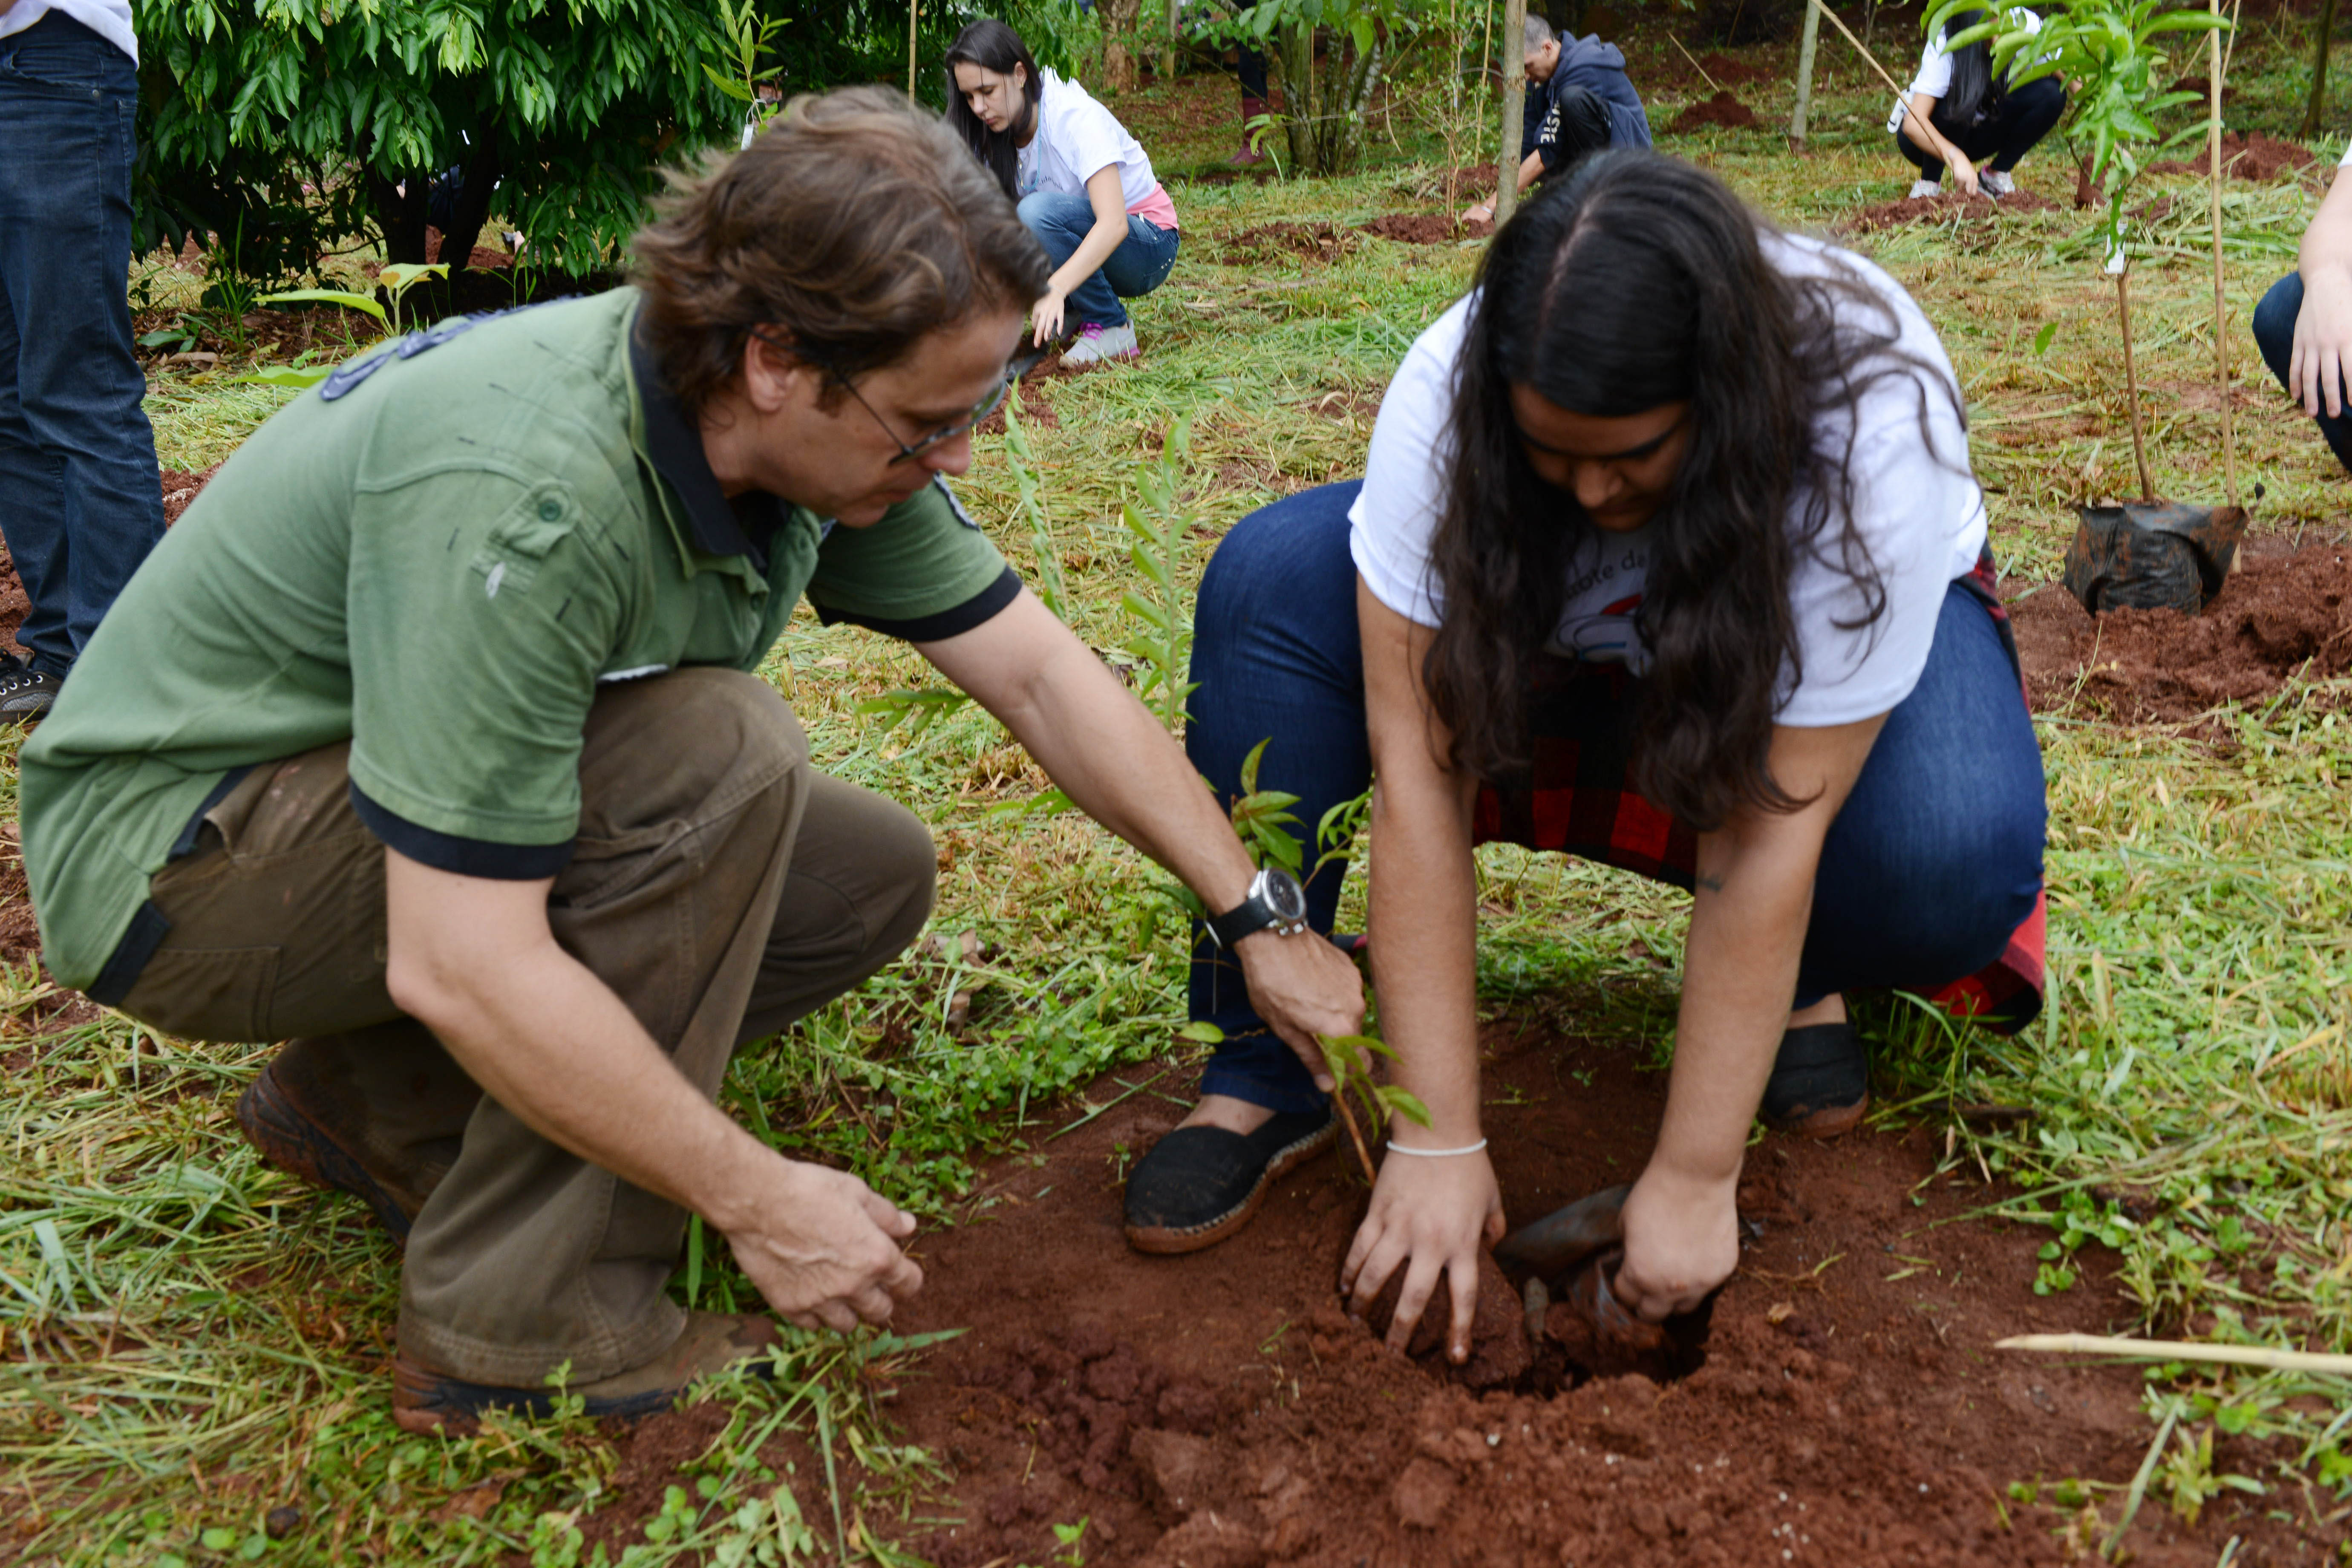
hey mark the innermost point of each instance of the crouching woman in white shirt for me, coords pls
(1960, 116)
(1668, 555)
(1084, 185)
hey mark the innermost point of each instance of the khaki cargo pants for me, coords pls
(721, 887)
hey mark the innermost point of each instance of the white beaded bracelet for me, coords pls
(1398, 1148)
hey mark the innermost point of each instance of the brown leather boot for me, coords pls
(307, 1117)
(427, 1402)
(1251, 109)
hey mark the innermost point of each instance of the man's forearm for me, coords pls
(1531, 169)
(553, 1044)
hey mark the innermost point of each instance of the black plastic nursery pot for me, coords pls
(2152, 555)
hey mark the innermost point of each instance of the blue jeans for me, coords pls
(80, 505)
(1932, 863)
(2274, 336)
(1139, 265)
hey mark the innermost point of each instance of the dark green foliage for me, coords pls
(283, 130)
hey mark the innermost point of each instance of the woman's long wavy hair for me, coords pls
(991, 46)
(1975, 92)
(1639, 281)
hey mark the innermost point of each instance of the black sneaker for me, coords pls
(1821, 1081)
(25, 693)
(1200, 1185)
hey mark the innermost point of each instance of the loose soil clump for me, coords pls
(1223, 1409)
(2284, 616)
(180, 488)
(1283, 241)
(1942, 209)
(1721, 113)
(1424, 228)
(2244, 156)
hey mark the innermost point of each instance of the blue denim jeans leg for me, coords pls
(80, 505)
(2274, 320)
(1140, 264)
(1933, 861)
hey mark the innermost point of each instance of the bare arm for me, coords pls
(1923, 134)
(1427, 1214)
(473, 959)
(1121, 768)
(2323, 327)
(1105, 195)
(1752, 905)
(1531, 169)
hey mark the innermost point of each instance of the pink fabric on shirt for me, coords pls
(1156, 208)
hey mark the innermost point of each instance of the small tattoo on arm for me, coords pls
(1712, 884)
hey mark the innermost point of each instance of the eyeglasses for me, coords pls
(1013, 372)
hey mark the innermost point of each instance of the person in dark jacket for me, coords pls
(1580, 99)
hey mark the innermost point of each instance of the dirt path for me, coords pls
(1219, 1409)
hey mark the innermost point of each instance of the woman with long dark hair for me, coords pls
(1959, 114)
(1668, 555)
(1083, 186)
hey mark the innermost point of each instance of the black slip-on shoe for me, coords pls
(1200, 1185)
(299, 1140)
(426, 1402)
(1821, 1081)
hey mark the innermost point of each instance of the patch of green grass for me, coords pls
(188, 1338)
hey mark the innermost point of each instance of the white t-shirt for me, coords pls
(1077, 136)
(1919, 514)
(1935, 78)
(110, 19)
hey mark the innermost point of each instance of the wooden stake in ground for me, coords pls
(2180, 1349)
(1514, 98)
(2131, 383)
(1685, 54)
(2221, 311)
(913, 6)
(1822, 9)
(1805, 46)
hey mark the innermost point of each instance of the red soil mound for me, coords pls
(1424, 228)
(1722, 111)
(1283, 241)
(2283, 616)
(1942, 209)
(1221, 1409)
(2243, 157)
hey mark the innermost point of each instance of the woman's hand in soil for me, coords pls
(823, 1248)
(1682, 1240)
(1303, 986)
(1964, 171)
(1428, 1214)
(1047, 314)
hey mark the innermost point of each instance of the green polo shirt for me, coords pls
(439, 555)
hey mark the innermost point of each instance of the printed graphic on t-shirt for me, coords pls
(1597, 623)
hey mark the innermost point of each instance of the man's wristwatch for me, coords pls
(1275, 900)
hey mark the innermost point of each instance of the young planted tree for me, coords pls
(2107, 49)
(1327, 96)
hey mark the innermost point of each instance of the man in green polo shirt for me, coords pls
(428, 742)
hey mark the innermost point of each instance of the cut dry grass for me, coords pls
(188, 1339)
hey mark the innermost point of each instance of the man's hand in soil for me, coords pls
(473, 959)
(823, 1248)
(1303, 986)
(1682, 1240)
(1427, 1214)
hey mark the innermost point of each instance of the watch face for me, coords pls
(1283, 895)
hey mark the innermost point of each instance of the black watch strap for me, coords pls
(1250, 916)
